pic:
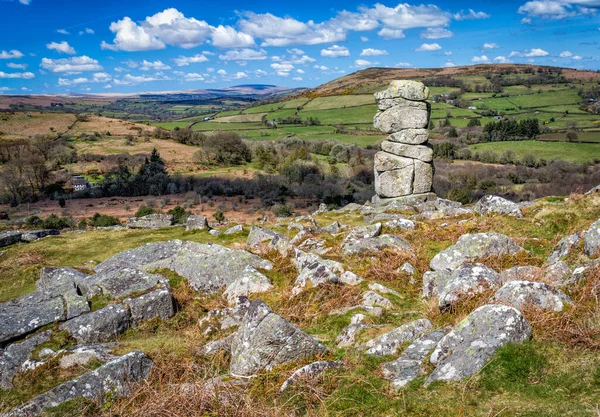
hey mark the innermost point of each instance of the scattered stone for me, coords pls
(214, 232)
(376, 244)
(471, 247)
(350, 278)
(372, 299)
(564, 247)
(9, 237)
(316, 273)
(519, 294)
(317, 246)
(332, 228)
(557, 273)
(349, 207)
(305, 259)
(251, 282)
(113, 379)
(196, 223)
(409, 365)
(151, 221)
(408, 268)
(467, 280)
(15, 355)
(389, 343)
(403, 224)
(309, 371)
(591, 241)
(520, 273)
(383, 290)
(119, 283)
(348, 334)
(321, 210)
(34, 235)
(375, 311)
(99, 326)
(581, 273)
(233, 230)
(275, 240)
(82, 355)
(495, 204)
(473, 341)
(157, 303)
(212, 348)
(364, 232)
(225, 318)
(265, 340)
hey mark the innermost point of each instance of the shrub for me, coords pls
(179, 214)
(219, 216)
(62, 202)
(103, 220)
(55, 222)
(283, 211)
(33, 221)
(144, 210)
(82, 225)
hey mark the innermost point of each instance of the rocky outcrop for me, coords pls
(14, 357)
(591, 241)
(471, 247)
(100, 326)
(274, 240)
(404, 167)
(389, 343)
(519, 294)
(251, 282)
(113, 379)
(9, 237)
(118, 283)
(151, 221)
(564, 247)
(34, 235)
(234, 229)
(155, 304)
(348, 334)
(265, 340)
(196, 223)
(465, 281)
(468, 347)
(520, 273)
(375, 244)
(309, 371)
(495, 204)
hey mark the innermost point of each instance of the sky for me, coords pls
(110, 46)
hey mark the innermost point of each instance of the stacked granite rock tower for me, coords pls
(404, 167)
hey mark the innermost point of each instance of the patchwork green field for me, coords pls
(574, 152)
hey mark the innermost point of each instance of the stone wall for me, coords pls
(404, 166)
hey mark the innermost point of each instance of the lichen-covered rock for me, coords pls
(316, 273)
(332, 228)
(402, 224)
(433, 280)
(410, 136)
(99, 326)
(520, 273)
(410, 363)
(495, 204)
(407, 89)
(471, 247)
(15, 355)
(564, 247)
(362, 232)
(265, 340)
(34, 235)
(467, 280)
(143, 255)
(473, 341)
(275, 240)
(389, 343)
(352, 247)
(557, 273)
(591, 241)
(387, 162)
(157, 303)
(225, 318)
(374, 286)
(423, 153)
(348, 334)
(519, 294)
(350, 278)
(423, 181)
(309, 371)
(394, 183)
(318, 246)
(151, 221)
(59, 280)
(372, 299)
(196, 223)
(250, 282)
(9, 237)
(113, 379)
(234, 229)
(119, 283)
(216, 346)
(304, 259)
(82, 355)
(408, 268)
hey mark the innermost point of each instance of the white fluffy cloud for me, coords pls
(373, 52)
(297, 79)
(471, 15)
(131, 37)
(139, 79)
(245, 54)
(404, 65)
(183, 61)
(155, 66)
(427, 47)
(63, 32)
(566, 54)
(72, 65)
(16, 66)
(480, 59)
(490, 45)
(228, 37)
(502, 60)
(23, 75)
(436, 33)
(363, 63)
(533, 53)
(282, 69)
(335, 51)
(62, 47)
(87, 31)
(557, 9)
(14, 54)
(387, 33)
(449, 64)
(406, 16)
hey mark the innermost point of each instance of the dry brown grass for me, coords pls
(116, 127)
(38, 124)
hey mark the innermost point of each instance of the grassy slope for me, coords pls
(574, 152)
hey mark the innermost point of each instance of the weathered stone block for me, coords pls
(408, 89)
(396, 183)
(196, 223)
(410, 136)
(421, 152)
(398, 118)
(387, 162)
(386, 103)
(423, 182)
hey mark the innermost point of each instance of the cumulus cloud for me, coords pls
(62, 47)
(282, 69)
(364, 39)
(536, 52)
(405, 16)
(297, 79)
(183, 61)
(23, 75)
(321, 67)
(245, 54)
(156, 66)
(73, 65)
(557, 9)
(471, 15)
(335, 51)
(193, 76)
(566, 54)
(63, 32)
(436, 33)
(139, 79)
(16, 66)
(404, 65)
(364, 63)
(87, 31)
(449, 64)
(502, 60)
(426, 47)
(131, 37)
(387, 33)
(490, 46)
(14, 54)
(373, 52)
(480, 59)
(228, 37)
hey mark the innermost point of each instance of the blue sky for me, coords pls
(134, 46)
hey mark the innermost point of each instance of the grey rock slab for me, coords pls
(374, 286)
(33, 235)
(157, 303)
(433, 281)
(194, 222)
(59, 280)
(557, 273)
(316, 273)
(250, 282)
(99, 326)
(564, 247)
(473, 341)
(362, 232)
(410, 136)
(113, 379)
(496, 204)
(143, 255)
(214, 233)
(398, 118)
(332, 228)
(9, 237)
(519, 294)
(400, 224)
(348, 334)
(386, 103)
(15, 355)
(274, 240)
(151, 221)
(407, 89)
(591, 241)
(408, 268)
(318, 246)
(471, 247)
(303, 260)
(385, 161)
(216, 346)
(265, 340)
(309, 371)
(375, 311)
(389, 343)
(350, 278)
(467, 280)
(225, 318)
(376, 244)
(233, 230)
(409, 365)
(423, 181)
(119, 283)
(372, 299)
(423, 153)
(82, 355)
(395, 183)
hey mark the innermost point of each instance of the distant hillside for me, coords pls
(372, 79)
